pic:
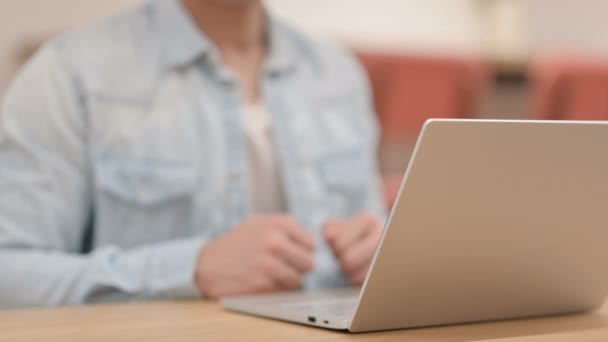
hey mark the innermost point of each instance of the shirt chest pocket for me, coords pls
(140, 201)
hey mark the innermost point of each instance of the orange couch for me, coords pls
(409, 89)
(569, 89)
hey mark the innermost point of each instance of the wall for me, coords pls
(430, 25)
(559, 25)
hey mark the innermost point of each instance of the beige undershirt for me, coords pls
(265, 188)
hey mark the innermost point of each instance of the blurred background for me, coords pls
(538, 59)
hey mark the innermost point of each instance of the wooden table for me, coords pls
(207, 321)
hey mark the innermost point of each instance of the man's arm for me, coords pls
(45, 202)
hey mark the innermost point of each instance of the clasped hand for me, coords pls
(274, 253)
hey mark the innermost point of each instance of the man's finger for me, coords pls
(281, 246)
(262, 284)
(358, 277)
(360, 254)
(296, 232)
(284, 275)
(357, 229)
(331, 230)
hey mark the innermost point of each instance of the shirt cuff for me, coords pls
(172, 268)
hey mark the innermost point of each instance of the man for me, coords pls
(183, 149)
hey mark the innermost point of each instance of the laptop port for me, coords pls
(312, 319)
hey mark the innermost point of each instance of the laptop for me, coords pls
(494, 220)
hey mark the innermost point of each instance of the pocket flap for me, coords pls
(145, 182)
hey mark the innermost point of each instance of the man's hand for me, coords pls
(354, 242)
(263, 254)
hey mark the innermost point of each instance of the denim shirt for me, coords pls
(132, 127)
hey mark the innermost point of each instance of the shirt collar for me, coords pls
(182, 42)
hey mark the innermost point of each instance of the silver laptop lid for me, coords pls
(495, 219)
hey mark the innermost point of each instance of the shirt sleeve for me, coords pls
(45, 203)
